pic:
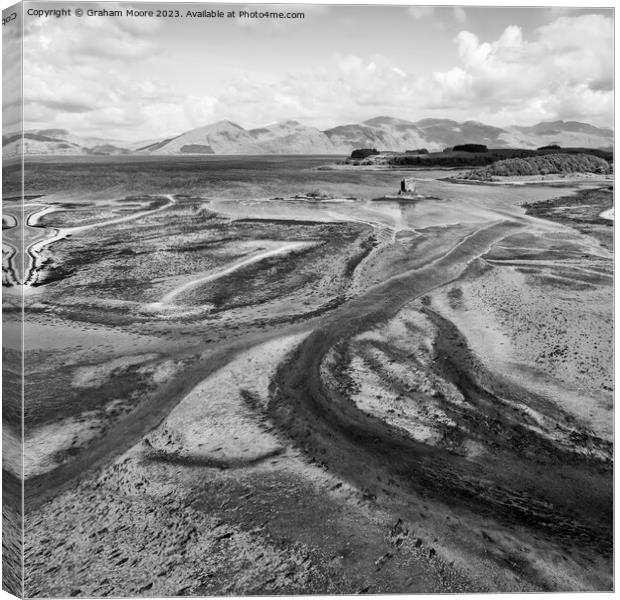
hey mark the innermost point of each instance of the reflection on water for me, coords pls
(23, 245)
(438, 204)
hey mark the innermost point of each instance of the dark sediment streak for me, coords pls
(356, 445)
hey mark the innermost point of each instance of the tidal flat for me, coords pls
(245, 375)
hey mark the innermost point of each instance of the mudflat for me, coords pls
(249, 376)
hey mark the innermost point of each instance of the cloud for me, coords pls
(566, 71)
(562, 70)
(351, 88)
(100, 38)
(421, 12)
(78, 77)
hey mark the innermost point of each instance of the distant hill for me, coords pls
(345, 137)
(383, 133)
(562, 133)
(292, 137)
(446, 133)
(223, 137)
(559, 127)
(55, 142)
(107, 149)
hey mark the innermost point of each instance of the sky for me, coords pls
(131, 78)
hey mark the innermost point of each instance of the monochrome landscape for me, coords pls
(269, 348)
(292, 137)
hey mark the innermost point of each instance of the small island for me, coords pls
(541, 166)
(492, 165)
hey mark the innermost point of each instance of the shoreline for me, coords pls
(524, 180)
(379, 266)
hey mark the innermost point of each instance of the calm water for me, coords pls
(261, 176)
(240, 185)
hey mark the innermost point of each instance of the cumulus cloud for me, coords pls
(563, 70)
(75, 77)
(101, 38)
(566, 71)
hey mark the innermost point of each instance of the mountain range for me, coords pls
(292, 137)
